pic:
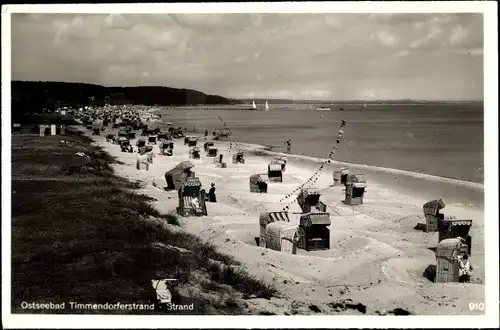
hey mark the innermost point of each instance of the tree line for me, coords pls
(35, 96)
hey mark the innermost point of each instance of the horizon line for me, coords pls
(255, 98)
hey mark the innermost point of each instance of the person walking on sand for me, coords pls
(211, 194)
(465, 269)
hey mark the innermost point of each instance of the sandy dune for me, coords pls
(377, 258)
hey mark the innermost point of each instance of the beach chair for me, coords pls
(131, 135)
(189, 190)
(208, 145)
(447, 263)
(191, 141)
(152, 139)
(140, 143)
(275, 172)
(340, 175)
(432, 214)
(176, 176)
(257, 184)
(167, 148)
(450, 227)
(194, 153)
(265, 218)
(283, 236)
(125, 146)
(282, 161)
(145, 149)
(145, 159)
(316, 235)
(238, 158)
(212, 152)
(309, 198)
(354, 189)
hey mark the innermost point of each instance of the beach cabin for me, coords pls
(283, 236)
(354, 189)
(257, 184)
(238, 158)
(308, 199)
(275, 172)
(208, 145)
(194, 153)
(176, 176)
(316, 235)
(432, 214)
(340, 176)
(266, 218)
(212, 152)
(447, 263)
(450, 227)
(191, 198)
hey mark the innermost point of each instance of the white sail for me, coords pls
(267, 106)
(253, 105)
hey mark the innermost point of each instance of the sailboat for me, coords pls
(267, 106)
(253, 105)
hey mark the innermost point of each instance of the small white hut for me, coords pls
(283, 236)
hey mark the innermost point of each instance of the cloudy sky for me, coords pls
(300, 56)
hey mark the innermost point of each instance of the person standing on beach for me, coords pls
(211, 194)
(206, 133)
(288, 145)
(465, 269)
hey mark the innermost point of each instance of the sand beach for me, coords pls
(376, 258)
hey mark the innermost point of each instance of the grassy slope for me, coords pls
(79, 233)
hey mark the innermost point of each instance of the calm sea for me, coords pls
(445, 140)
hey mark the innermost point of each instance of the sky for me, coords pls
(290, 56)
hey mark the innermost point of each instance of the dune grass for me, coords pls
(80, 233)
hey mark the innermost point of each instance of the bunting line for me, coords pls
(231, 141)
(318, 172)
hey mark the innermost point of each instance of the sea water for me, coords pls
(442, 140)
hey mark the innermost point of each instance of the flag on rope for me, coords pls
(316, 174)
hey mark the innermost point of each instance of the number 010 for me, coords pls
(476, 306)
